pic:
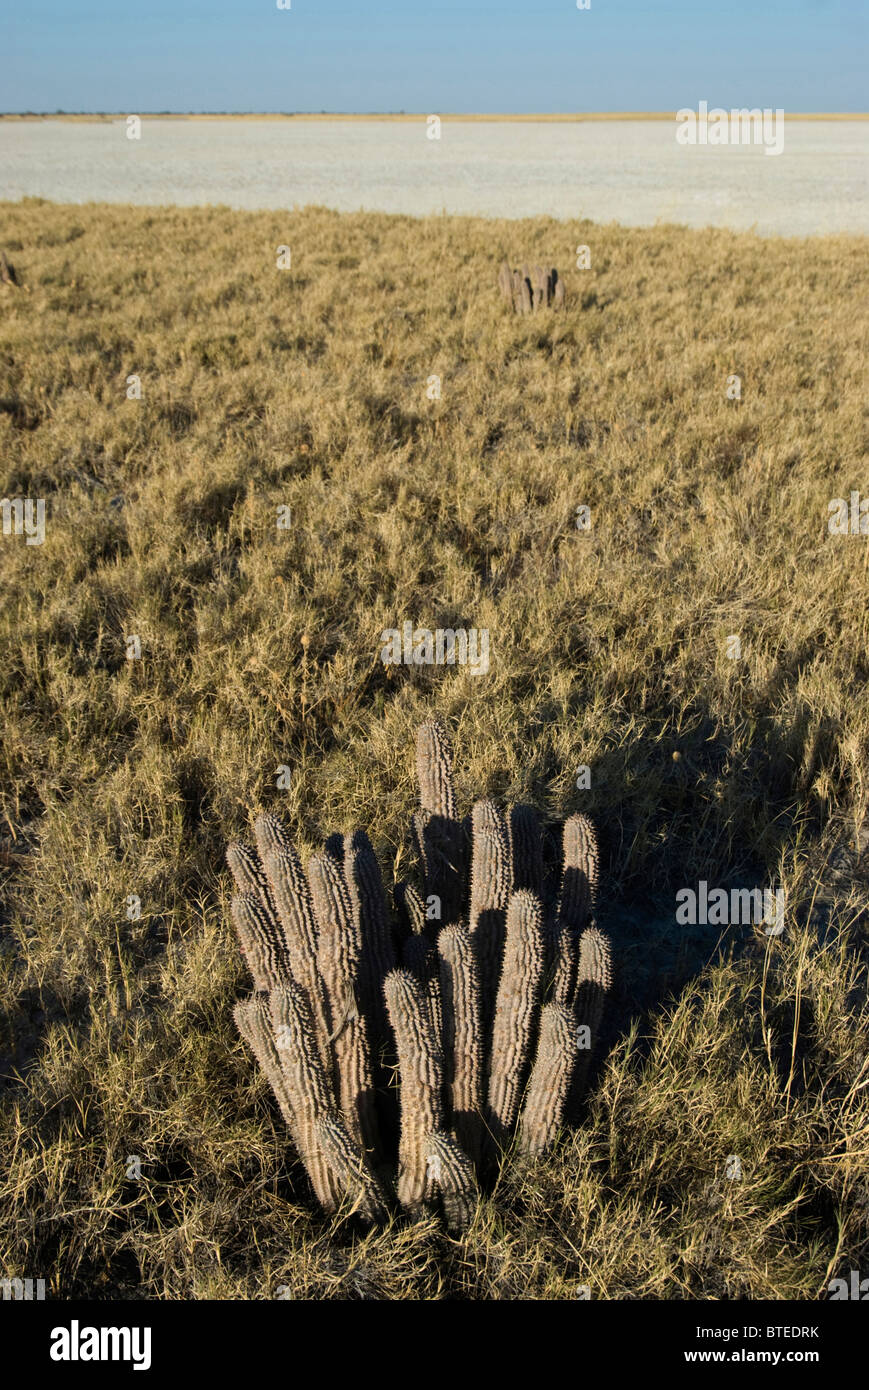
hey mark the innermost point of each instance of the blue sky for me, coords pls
(433, 55)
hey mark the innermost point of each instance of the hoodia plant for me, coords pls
(530, 289)
(408, 1050)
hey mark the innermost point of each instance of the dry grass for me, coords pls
(307, 388)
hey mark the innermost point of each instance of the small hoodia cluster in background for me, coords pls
(405, 1053)
(7, 271)
(531, 288)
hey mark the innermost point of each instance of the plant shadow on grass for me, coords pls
(685, 835)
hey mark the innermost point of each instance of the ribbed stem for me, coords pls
(580, 872)
(490, 891)
(262, 942)
(338, 961)
(307, 1081)
(295, 909)
(462, 1035)
(593, 984)
(515, 1009)
(451, 1173)
(550, 1078)
(562, 966)
(421, 1079)
(373, 932)
(434, 766)
(526, 849)
(295, 1091)
(350, 1171)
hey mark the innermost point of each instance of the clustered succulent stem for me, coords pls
(470, 1015)
(529, 290)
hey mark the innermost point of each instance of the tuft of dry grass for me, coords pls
(307, 388)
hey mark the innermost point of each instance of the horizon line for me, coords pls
(406, 115)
